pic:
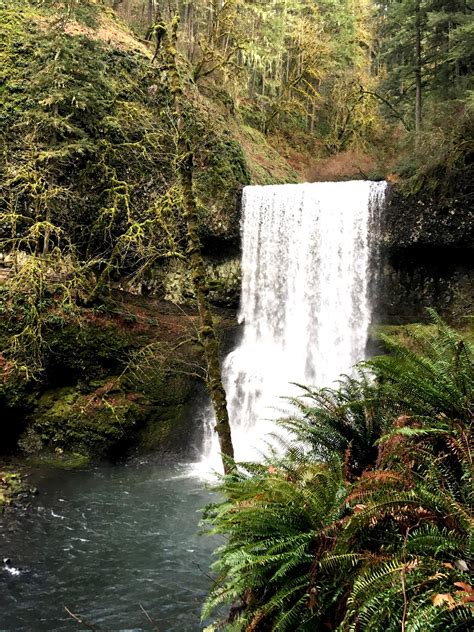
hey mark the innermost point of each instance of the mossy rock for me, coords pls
(14, 384)
(58, 459)
(70, 427)
(167, 432)
(168, 389)
(88, 350)
(11, 486)
(168, 428)
(94, 424)
(86, 401)
(174, 281)
(17, 400)
(217, 184)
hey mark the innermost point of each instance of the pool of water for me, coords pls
(117, 546)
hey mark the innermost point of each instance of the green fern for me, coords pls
(347, 421)
(365, 523)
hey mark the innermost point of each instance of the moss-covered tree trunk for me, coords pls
(418, 71)
(209, 341)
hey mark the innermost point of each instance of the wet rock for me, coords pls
(426, 252)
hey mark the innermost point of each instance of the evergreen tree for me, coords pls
(427, 47)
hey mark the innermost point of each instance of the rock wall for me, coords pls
(426, 255)
(173, 281)
(413, 280)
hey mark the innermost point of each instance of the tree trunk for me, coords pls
(47, 231)
(312, 120)
(207, 331)
(417, 69)
(49, 216)
(151, 12)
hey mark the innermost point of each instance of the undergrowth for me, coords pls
(365, 523)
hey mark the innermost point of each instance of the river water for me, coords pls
(103, 541)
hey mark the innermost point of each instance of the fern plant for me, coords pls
(365, 524)
(281, 518)
(428, 376)
(347, 421)
(420, 535)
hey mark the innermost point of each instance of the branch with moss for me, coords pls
(207, 334)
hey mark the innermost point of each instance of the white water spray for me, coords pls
(305, 305)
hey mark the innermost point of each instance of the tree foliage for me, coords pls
(88, 180)
(342, 74)
(284, 64)
(445, 64)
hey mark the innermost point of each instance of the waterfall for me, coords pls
(305, 305)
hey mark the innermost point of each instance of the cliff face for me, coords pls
(426, 253)
(88, 187)
(443, 217)
(89, 161)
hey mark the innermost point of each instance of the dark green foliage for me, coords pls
(382, 541)
(281, 519)
(429, 88)
(447, 32)
(433, 379)
(346, 420)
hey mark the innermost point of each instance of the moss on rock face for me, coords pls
(58, 460)
(89, 349)
(88, 424)
(76, 349)
(174, 281)
(13, 385)
(84, 404)
(168, 431)
(169, 387)
(224, 170)
(16, 401)
(86, 121)
(113, 416)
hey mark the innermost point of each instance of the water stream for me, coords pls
(103, 541)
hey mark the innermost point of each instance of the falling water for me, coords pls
(305, 306)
